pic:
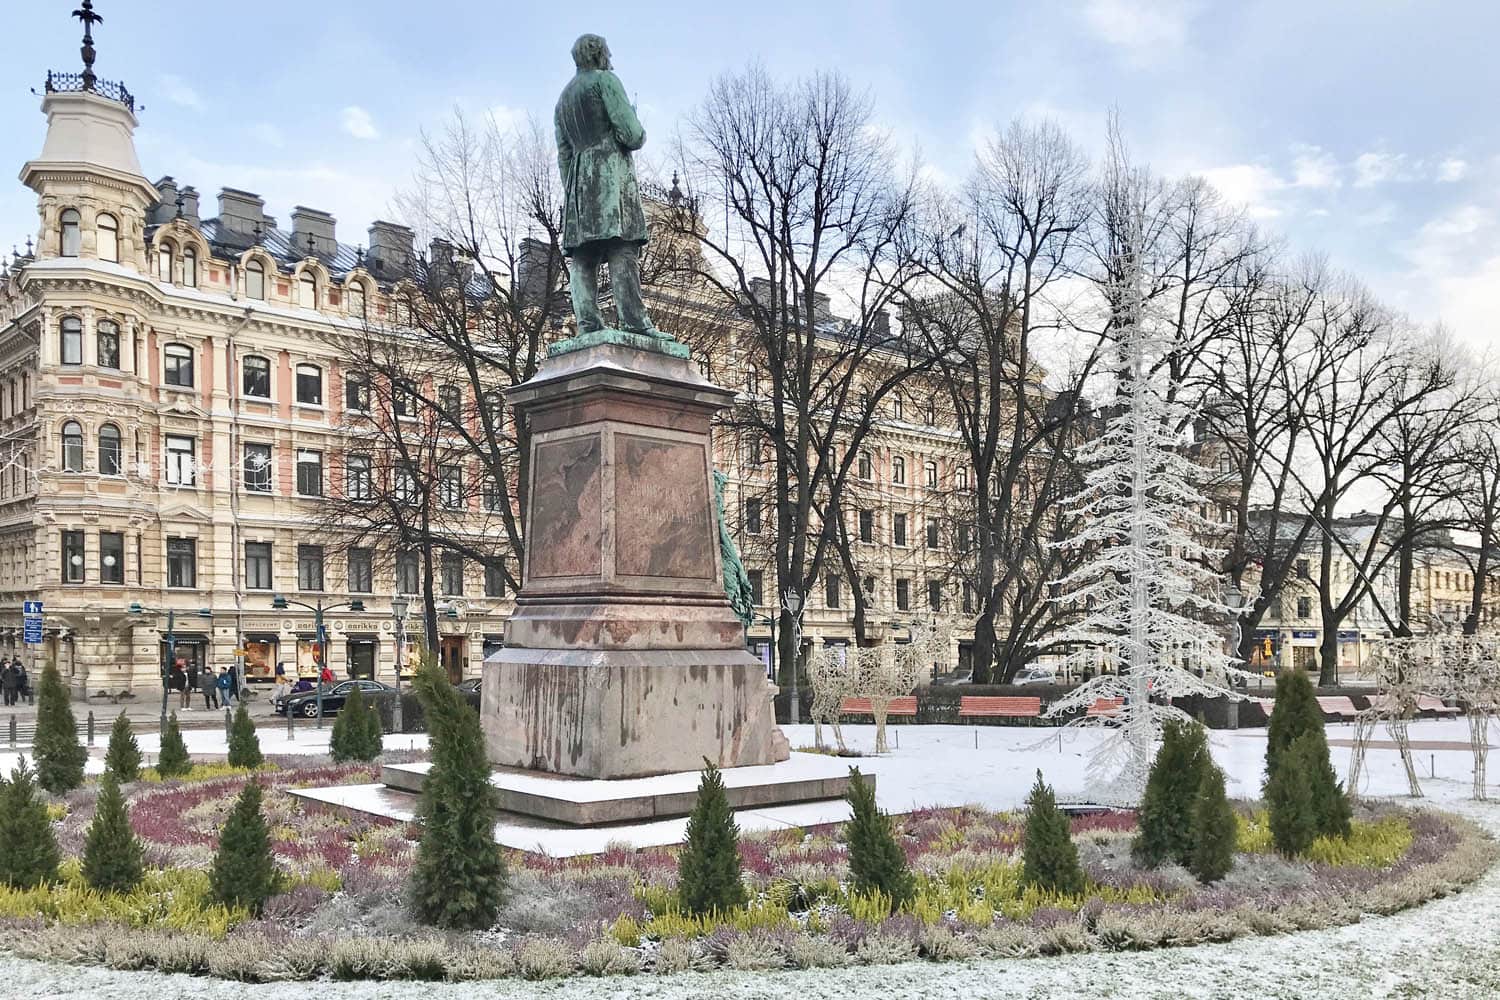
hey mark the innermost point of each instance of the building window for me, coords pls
(403, 399)
(752, 516)
(257, 467)
(406, 487)
(111, 557)
(255, 280)
(71, 341)
(1304, 569)
(255, 373)
(307, 291)
(961, 480)
(361, 572)
(72, 447)
(935, 595)
(110, 462)
(180, 460)
(450, 399)
(71, 239)
(109, 237)
(258, 566)
(1226, 462)
(360, 482)
(72, 556)
(494, 406)
(190, 267)
(310, 385)
(164, 262)
(408, 573)
(182, 562)
(494, 579)
(453, 574)
(107, 344)
(968, 598)
(309, 567)
(356, 394)
(867, 526)
(831, 592)
(930, 472)
(898, 469)
(451, 486)
(903, 595)
(491, 494)
(357, 300)
(309, 473)
(898, 529)
(898, 410)
(178, 368)
(963, 538)
(932, 533)
(1304, 607)
(757, 587)
(866, 467)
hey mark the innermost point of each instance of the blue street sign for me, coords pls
(32, 631)
(31, 608)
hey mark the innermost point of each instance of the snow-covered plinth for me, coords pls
(804, 777)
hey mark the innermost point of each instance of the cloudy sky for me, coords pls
(1360, 129)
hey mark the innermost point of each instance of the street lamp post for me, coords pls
(280, 602)
(793, 603)
(1234, 601)
(399, 606)
(137, 608)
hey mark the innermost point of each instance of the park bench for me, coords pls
(1106, 708)
(905, 706)
(1337, 707)
(972, 706)
(1428, 703)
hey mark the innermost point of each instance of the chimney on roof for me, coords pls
(390, 246)
(190, 204)
(309, 222)
(880, 324)
(165, 209)
(242, 212)
(531, 279)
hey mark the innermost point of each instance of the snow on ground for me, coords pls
(1448, 949)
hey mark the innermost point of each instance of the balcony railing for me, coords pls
(74, 83)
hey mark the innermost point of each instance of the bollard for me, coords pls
(12, 730)
(228, 722)
(1059, 739)
(898, 738)
(91, 727)
(290, 718)
(1432, 764)
(976, 737)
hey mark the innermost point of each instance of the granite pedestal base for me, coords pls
(610, 713)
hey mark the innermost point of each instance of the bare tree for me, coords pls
(1479, 503)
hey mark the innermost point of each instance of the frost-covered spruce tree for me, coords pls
(1145, 586)
(708, 869)
(59, 755)
(123, 758)
(173, 761)
(29, 856)
(876, 861)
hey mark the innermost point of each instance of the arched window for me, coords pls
(898, 469)
(310, 385)
(255, 280)
(70, 238)
(71, 341)
(178, 365)
(190, 267)
(72, 447)
(357, 300)
(164, 262)
(257, 376)
(107, 344)
(109, 237)
(307, 291)
(110, 463)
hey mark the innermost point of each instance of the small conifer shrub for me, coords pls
(1214, 829)
(244, 872)
(28, 847)
(1166, 814)
(876, 861)
(1049, 858)
(123, 758)
(244, 745)
(59, 755)
(1291, 799)
(1296, 712)
(708, 869)
(356, 731)
(173, 761)
(112, 854)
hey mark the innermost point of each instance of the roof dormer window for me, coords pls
(164, 262)
(307, 291)
(190, 267)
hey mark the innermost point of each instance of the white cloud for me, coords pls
(358, 123)
(1452, 169)
(507, 118)
(1250, 185)
(1314, 167)
(176, 90)
(1141, 28)
(1371, 169)
(267, 134)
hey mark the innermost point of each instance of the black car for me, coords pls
(470, 684)
(306, 702)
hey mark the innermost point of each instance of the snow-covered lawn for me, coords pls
(1448, 949)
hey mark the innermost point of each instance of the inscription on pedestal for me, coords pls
(661, 509)
(565, 514)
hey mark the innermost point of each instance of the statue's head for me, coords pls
(591, 52)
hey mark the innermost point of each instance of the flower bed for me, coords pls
(342, 914)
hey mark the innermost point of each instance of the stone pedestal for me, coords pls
(623, 657)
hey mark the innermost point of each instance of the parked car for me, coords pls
(305, 703)
(943, 680)
(1035, 675)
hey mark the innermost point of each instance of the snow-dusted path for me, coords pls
(1446, 950)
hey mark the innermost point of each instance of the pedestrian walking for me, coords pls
(23, 681)
(192, 685)
(209, 685)
(177, 680)
(226, 692)
(235, 683)
(9, 682)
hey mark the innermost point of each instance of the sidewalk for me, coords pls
(144, 713)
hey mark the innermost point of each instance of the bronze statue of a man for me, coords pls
(597, 130)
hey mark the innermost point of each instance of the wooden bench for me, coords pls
(896, 706)
(975, 706)
(1340, 708)
(1106, 708)
(1428, 703)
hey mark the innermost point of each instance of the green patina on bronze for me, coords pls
(736, 580)
(603, 220)
(640, 341)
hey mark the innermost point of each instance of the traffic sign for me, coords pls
(31, 608)
(32, 630)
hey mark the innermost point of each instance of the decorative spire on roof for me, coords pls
(312, 247)
(89, 18)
